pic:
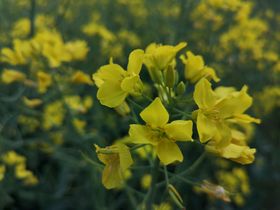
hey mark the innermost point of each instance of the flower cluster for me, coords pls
(213, 118)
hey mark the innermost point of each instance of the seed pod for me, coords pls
(175, 196)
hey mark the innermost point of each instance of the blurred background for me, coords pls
(46, 145)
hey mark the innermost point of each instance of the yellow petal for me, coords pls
(206, 127)
(168, 152)
(155, 114)
(125, 157)
(223, 135)
(10, 76)
(110, 72)
(111, 176)
(133, 85)
(135, 61)
(240, 154)
(180, 130)
(244, 118)
(141, 134)
(110, 94)
(235, 103)
(204, 96)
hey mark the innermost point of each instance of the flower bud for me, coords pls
(181, 88)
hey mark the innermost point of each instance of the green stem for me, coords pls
(130, 196)
(182, 175)
(135, 104)
(32, 17)
(166, 175)
(89, 160)
(152, 191)
(195, 164)
(137, 147)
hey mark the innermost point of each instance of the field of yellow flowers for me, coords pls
(139, 104)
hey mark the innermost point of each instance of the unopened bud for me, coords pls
(181, 88)
(170, 76)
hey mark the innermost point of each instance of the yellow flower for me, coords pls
(195, 68)
(77, 49)
(146, 181)
(10, 76)
(80, 77)
(216, 112)
(117, 160)
(44, 81)
(161, 134)
(27, 176)
(79, 125)
(237, 150)
(19, 55)
(115, 84)
(158, 57)
(53, 115)
(32, 103)
(12, 158)
(2, 172)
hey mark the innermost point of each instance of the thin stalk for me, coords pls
(137, 147)
(32, 17)
(152, 191)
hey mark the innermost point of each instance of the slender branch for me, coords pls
(137, 147)
(152, 191)
(32, 17)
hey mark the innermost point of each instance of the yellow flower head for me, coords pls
(236, 150)
(44, 81)
(10, 76)
(77, 49)
(12, 158)
(195, 68)
(161, 134)
(158, 57)
(217, 110)
(115, 84)
(19, 55)
(117, 160)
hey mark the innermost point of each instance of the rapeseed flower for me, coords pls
(10, 76)
(117, 160)
(195, 68)
(161, 134)
(158, 57)
(218, 109)
(115, 84)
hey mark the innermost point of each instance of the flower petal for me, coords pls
(133, 85)
(203, 95)
(236, 103)
(110, 72)
(180, 130)
(206, 127)
(135, 61)
(125, 157)
(169, 152)
(110, 94)
(141, 134)
(155, 114)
